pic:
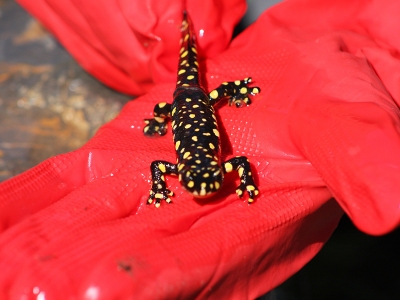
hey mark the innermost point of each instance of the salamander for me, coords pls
(195, 131)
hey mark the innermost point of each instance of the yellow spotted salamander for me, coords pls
(195, 131)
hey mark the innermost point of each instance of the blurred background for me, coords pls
(49, 105)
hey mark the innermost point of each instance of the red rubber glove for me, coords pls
(131, 44)
(326, 123)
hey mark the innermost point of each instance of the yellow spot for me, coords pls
(159, 120)
(217, 185)
(211, 146)
(186, 155)
(203, 192)
(197, 129)
(255, 91)
(211, 186)
(237, 82)
(207, 133)
(228, 167)
(188, 126)
(198, 161)
(225, 83)
(184, 54)
(162, 168)
(194, 138)
(183, 62)
(239, 192)
(188, 99)
(216, 132)
(190, 184)
(183, 48)
(181, 166)
(206, 175)
(177, 144)
(243, 90)
(190, 77)
(157, 205)
(159, 186)
(192, 116)
(182, 150)
(214, 94)
(196, 63)
(194, 50)
(162, 104)
(159, 196)
(195, 106)
(186, 37)
(173, 111)
(181, 71)
(250, 188)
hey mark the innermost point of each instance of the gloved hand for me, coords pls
(326, 123)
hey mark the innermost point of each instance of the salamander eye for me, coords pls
(239, 104)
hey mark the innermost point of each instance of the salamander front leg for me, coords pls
(242, 166)
(159, 189)
(161, 112)
(237, 92)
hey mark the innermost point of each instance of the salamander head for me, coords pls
(202, 182)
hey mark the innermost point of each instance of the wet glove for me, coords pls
(324, 125)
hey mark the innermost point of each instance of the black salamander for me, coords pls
(195, 131)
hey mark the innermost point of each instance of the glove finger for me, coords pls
(355, 148)
(137, 44)
(347, 124)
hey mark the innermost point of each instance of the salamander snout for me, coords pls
(203, 182)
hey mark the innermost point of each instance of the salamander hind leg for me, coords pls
(159, 189)
(242, 166)
(161, 113)
(237, 92)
